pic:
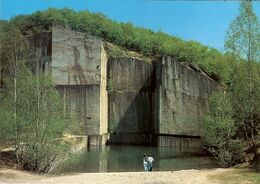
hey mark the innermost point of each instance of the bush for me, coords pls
(219, 131)
(40, 123)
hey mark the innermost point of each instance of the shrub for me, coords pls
(219, 131)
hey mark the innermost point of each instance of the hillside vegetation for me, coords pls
(125, 35)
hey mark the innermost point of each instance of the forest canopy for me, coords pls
(125, 35)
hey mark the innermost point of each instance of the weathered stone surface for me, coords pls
(180, 142)
(183, 98)
(83, 102)
(76, 58)
(103, 93)
(42, 43)
(79, 69)
(130, 100)
(129, 74)
(130, 112)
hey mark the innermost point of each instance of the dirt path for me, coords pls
(171, 177)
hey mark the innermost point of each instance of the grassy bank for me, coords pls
(237, 176)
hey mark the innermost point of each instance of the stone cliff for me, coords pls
(130, 100)
(181, 102)
(125, 99)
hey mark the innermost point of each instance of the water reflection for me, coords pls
(129, 158)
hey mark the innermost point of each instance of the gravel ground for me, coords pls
(169, 177)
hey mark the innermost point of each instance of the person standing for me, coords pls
(150, 161)
(145, 163)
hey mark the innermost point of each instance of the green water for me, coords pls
(130, 158)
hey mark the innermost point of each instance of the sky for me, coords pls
(202, 21)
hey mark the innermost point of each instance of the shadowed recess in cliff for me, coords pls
(130, 101)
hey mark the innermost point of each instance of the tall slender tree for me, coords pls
(31, 110)
(243, 35)
(243, 40)
(14, 51)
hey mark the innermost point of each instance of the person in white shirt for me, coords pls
(145, 163)
(150, 161)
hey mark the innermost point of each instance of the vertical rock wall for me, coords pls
(42, 43)
(130, 100)
(83, 103)
(79, 72)
(182, 101)
(76, 58)
(103, 93)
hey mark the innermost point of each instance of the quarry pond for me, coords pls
(129, 159)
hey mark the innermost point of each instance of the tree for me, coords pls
(243, 35)
(243, 40)
(40, 129)
(32, 117)
(15, 49)
(244, 89)
(219, 132)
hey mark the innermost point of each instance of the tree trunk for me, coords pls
(37, 114)
(15, 119)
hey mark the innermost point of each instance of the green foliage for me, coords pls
(110, 85)
(244, 90)
(32, 115)
(6, 128)
(126, 35)
(116, 52)
(243, 36)
(239, 110)
(220, 130)
(73, 126)
(243, 40)
(40, 121)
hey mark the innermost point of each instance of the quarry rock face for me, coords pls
(183, 98)
(181, 101)
(126, 100)
(79, 67)
(130, 100)
(76, 58)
